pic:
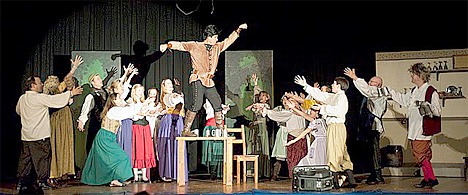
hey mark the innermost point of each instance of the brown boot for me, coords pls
(219, 119)
(189, 116)
(276, 170)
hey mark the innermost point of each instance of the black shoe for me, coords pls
(45, 186)
(431, 183)
(380, 179)
(371, 180)
(421, 185)
(348, 184)
(335, 176)
(22, 188)
(29, 189)
(375, 178)
(352, 181)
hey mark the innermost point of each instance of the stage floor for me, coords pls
(195, 186)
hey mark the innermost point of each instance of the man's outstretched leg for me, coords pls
(189, 116)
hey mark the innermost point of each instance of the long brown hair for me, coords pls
(257, 97)
(110, 103)
(156, 100)
(162, 94)
(114, 85)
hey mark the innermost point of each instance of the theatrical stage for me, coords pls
(395, 185)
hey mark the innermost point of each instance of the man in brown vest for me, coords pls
(204, 56)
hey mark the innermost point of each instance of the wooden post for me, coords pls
(224, 162)
(238, 171)
(229, 162)
(180, 163)
(245, 170)
(256, 170)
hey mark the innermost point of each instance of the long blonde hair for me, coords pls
(51, 85)
(134, 98)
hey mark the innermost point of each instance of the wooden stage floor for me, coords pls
(196, 186)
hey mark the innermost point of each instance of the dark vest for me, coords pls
(95, 113)
(366, 122)
(141, 122)
(432, 125)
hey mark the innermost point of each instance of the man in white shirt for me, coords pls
(418, 134)
(92, 108)
(33, 108)
(334, 109)
(373, 108)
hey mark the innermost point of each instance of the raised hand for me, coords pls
(129, 68)
(255, 79)
(300, 80)
(134, 72)
(351, 73)
(226, 108)
(249, 107)
(163, 47)
(176, 82)
(243, 26)
(77, 90)
(112, 71)
(78, 60)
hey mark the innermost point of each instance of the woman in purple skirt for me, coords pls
(170, 127)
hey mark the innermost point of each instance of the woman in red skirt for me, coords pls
(143, 150)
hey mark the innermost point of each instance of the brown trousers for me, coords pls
(35, 153)
(421, 150)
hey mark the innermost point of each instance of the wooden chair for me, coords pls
(244, 157)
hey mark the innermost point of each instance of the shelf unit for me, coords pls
(444, 97)
(448, 71)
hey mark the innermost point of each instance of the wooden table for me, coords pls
(227, 164)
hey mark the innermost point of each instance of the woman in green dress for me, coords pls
(107, 162)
